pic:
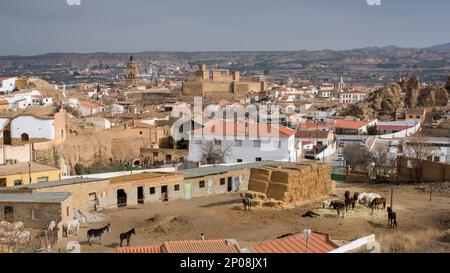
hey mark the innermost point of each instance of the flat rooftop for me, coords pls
(21, 168)
(139, 176)
(62, 182)
(211, 170)
(42, 197)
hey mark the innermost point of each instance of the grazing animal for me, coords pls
(361, 197)
(127, 236)
(350, 202)
(392, 218)
(98, 233)
(368, 198)
(247, 201)
(378, 201)
(347, 195)
(339, 206)
(74, 225)
(310, 214)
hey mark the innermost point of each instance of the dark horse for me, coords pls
(349, 201)
(247, 201)
(98, 233)
(378, 201)
(127, 236)
(310, 214)
(392, 218)
(339, 206)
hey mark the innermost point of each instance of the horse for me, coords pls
(75, 224)
(368, 198)
(339, 206)
(378, 201)
(127, 236)
(310, 214)
(392, 218)
(349, 202)
(347, 195)
(247, 201)
(94, 233)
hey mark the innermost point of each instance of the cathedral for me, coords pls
(132, 72)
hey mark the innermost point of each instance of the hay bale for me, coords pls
(277, 191)
(258, 185)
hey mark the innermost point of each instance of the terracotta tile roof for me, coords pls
(201, 246)
(5, 78)
(317, 243)
(349, 124)
(312, 134)
(89, 105)
(311, 125)
(247, 129)
(139, 249)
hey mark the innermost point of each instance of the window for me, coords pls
(218, 142)
(256, 143)
(152, 190)
(17, 182)
(36, 214)
(2, 182)
(176, 187)
(201, 184)
(42, 179)
(222, 181)
(239, 160)
(67, 211)
(417, 116)
(436, 159)
(258, 159)
(168, 158)
(238, 143)
(140, 132)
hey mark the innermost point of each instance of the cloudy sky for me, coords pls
(33, 27)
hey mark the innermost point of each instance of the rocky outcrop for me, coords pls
(404, 94)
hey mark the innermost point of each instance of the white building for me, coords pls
(352, 97)
(7, 84)
(247, 142)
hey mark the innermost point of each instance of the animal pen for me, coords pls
(282, 185)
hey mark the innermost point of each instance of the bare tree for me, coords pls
(384, 163)
(419, 150)
(356, 155)
(213, 152)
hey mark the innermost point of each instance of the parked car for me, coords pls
(340, 158)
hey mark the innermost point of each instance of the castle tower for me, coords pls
(132, 71)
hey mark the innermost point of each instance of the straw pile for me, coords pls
(283, 184)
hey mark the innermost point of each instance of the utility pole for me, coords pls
(392, 197)
(29, 172)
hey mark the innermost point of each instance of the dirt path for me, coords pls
(222, 217)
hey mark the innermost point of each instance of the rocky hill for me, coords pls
(407, 93)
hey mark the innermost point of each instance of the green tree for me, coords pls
(372, 130)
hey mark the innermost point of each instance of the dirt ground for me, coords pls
(223, 217)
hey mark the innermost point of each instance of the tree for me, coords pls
(182, 144)
(419, 150)
(372, 130)
(356, 155)
(384, 163)
(213, 153)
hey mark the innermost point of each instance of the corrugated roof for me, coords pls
(61, 182)
(201, 246)
(139, 249)
(41, 197)
(317, 243)
(211, 170)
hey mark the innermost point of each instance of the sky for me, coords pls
(31, 27)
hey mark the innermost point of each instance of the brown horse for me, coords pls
(378, 201)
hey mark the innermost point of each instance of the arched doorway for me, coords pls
(24, 137)
(6, 137)
(121, 198)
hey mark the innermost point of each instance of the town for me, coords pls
(226, 152)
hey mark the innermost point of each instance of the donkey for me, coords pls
(127, 236)
(392, 218)
(98, 233)
(247, 201)
(339, 206)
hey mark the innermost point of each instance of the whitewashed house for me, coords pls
(248, 142)
(7, 84)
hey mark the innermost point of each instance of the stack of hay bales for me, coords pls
(283, 184)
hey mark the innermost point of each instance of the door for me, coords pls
(210, 187)
(230, 184)
(9, 214)
(164, 194)
(187, 191)
(93, 201)
(140, 195)
(121, 198)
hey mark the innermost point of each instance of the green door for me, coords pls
(187, 191)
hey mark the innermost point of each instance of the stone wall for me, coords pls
(424, 171)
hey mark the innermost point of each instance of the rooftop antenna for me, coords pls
(306, 235)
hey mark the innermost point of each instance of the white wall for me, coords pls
(269, 150)
(8, 85)
(34, 127)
